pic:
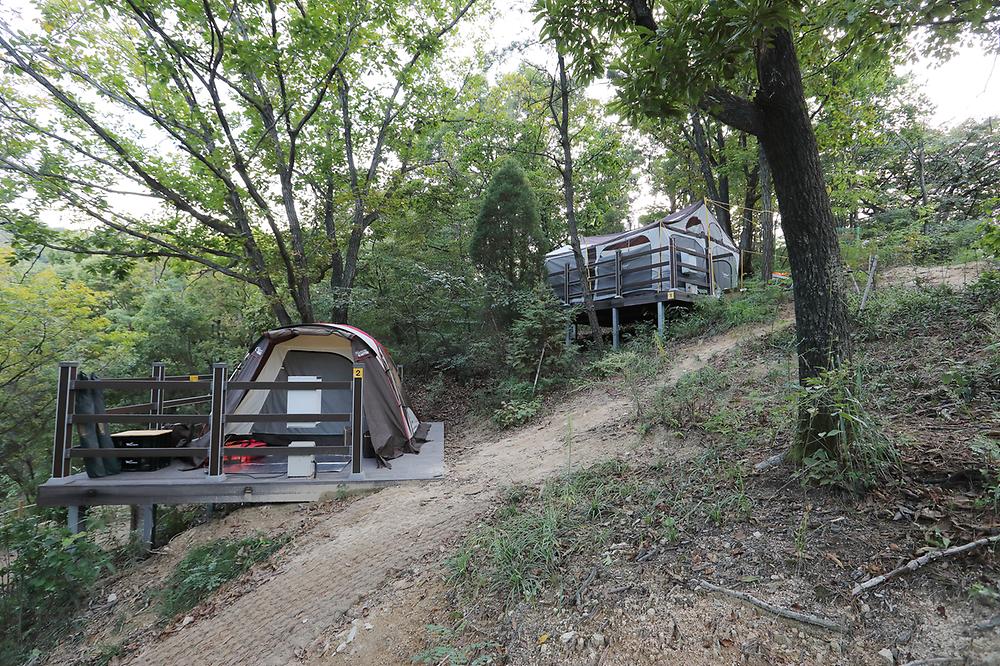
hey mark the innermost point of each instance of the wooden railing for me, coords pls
(153, 413)
(567, 284)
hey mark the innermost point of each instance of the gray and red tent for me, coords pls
(324, 352)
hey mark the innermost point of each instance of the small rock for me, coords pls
(187, 620)
(887, 656)
(598, 641)
(369, 626)
(568, 636)
(651, 612)
(112, 598)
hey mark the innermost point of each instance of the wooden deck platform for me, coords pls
(635, 307)
(178, 484)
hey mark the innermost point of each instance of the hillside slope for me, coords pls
(344, 558)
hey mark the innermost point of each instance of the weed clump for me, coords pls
(759, 303)
(209, 566)
(856, 454)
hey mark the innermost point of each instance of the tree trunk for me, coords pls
(717, 192)
(807, 222)
(746, 234)
(574, 235)
(921, 165)
(766, 220)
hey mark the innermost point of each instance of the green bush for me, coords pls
(863, 454)
(711, 316)
(207, 567)
(537, 338)
(45, 575)
(516, 411)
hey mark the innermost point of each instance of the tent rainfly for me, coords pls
(324, 352)
(645, 258)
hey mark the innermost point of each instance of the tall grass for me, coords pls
(759, 303)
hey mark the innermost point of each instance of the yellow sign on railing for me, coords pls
(359, 373)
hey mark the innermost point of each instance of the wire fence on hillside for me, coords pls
(893, 267)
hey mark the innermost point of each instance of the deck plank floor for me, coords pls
(179, 484)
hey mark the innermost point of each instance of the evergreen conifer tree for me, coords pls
(508, 240)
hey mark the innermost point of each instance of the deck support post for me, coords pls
(143, 524)
(76, 515)
(357, 429)
(156, 395)
(661, 318)
(217, 421)
(615, 329)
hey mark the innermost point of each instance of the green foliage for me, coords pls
(45, 319)
(854, 453)
(987, 453)
(519, 552)
(632, 368)
(207, 567)
(690, 402)
(537, 336)
(445, 651)
(46, 573)
(516, 411)
(893, 311)
(508, 241)
(710, 316)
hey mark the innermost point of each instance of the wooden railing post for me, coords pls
(217, 422)
(673, 264)
(566, 284)
(357, 411)
(65, 404)
(709, 269)
(618, 273)
(156, 394)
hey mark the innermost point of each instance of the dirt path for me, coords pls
(356, 552)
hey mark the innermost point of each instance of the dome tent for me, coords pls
(325, 352)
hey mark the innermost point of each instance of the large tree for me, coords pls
(261, 140)
(507, 241)
(673, 55)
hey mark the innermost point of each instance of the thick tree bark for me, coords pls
(568, 192)
(807, 222)
(752, 177)
(766, 220)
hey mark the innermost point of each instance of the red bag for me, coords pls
(249, 443)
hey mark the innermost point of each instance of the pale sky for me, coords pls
(967, 86)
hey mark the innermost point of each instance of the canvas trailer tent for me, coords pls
(310, 408)
(673, 260)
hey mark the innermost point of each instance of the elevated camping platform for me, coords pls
(263, 480)
(671, 262)
(229, 474)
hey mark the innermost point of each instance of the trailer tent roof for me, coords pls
(326, 351)
(697, 213)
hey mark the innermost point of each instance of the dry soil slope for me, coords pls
(353, 553)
